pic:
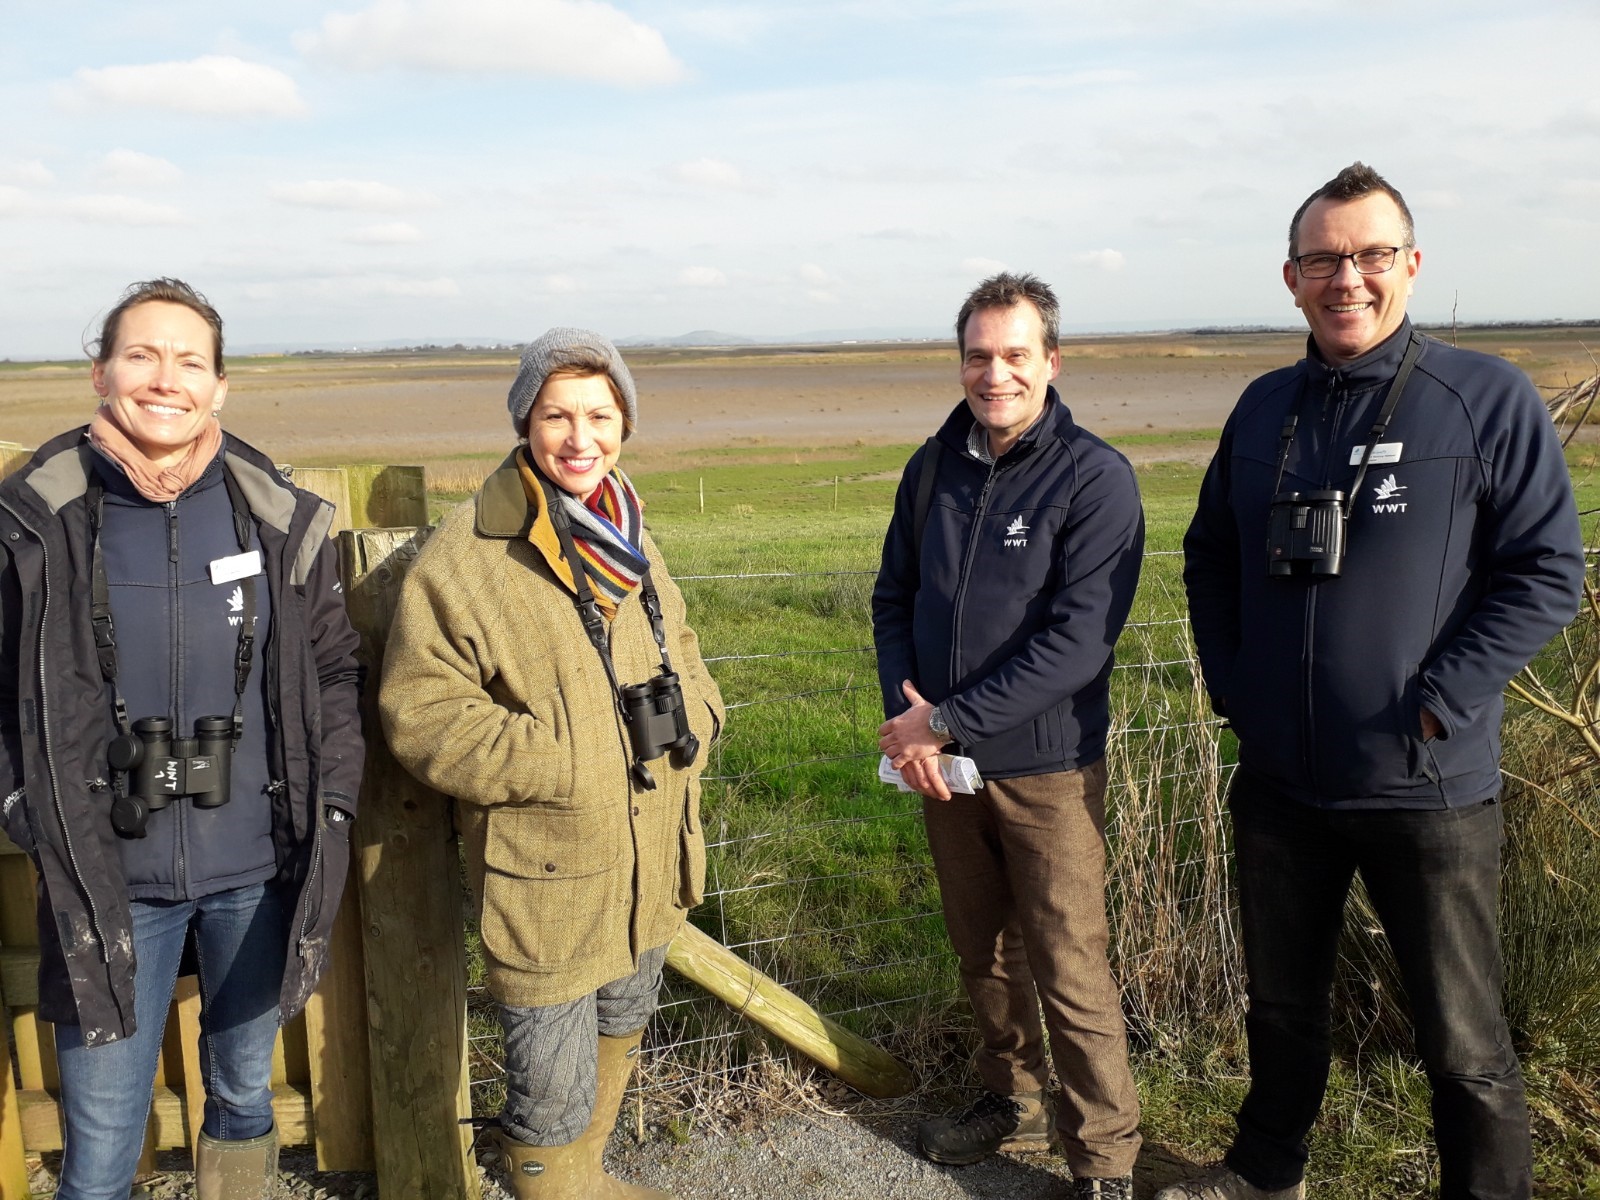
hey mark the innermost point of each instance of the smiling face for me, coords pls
(1350, 313)
(1006, 371)
(160, 382)
(575, 432)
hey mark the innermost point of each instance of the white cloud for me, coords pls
(1105, 260)
(566, 39)
(29, 173)
(13, 201)
(708, 173)
(821, 296)
(212, 86)
(129, 168)
(982, 266)
(702, 277)
(1436, 199)
(814, 274)
(360, 194)
(1580, 189)
(124, 210)
(560, 285)
(395, 233)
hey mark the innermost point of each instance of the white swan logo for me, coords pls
(1016, 533)
(1386, 492)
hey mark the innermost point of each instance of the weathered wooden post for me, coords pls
(411, 906)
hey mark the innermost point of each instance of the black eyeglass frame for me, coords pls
(1355, 261)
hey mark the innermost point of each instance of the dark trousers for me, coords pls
(1021, 868)
(1433, 877)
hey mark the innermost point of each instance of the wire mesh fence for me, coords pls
(819, 875)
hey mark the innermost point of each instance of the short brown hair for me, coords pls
(1007, 290)
(585, 362)
(1352, 183)
(166, 291)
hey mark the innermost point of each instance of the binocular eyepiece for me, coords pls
(161, 768)
(657, 723)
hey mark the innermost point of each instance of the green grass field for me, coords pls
(819, 874)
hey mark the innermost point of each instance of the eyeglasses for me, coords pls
(1373, 261)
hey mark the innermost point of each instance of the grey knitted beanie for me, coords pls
(560, 349)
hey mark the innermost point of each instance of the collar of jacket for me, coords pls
(1376, 366)
(501, 504)
(1054, 423)
(58, 475)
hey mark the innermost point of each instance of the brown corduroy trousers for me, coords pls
(1021, 869)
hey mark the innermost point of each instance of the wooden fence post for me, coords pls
(411, 905)
(336, 1017)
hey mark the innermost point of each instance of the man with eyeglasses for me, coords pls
(1385, 536)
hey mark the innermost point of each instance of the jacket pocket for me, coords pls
(549, 887)
(691, 850)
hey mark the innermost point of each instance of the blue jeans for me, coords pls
(1433, 877)
(241, 938)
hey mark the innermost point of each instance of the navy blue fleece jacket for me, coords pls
(1463, 558)
(1007, 616)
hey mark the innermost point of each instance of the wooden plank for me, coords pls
(411, 904)
(336, 1015)
(41, 1118)
(336, 1046)
(387, 497)
(35, 1044)
(332, 485)
(19, 976)
(13, 1150)
(762, 999)
(12, 456)
(186, 1007)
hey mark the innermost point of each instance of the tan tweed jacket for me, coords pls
(493, 694)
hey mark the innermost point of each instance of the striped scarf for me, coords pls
(608, 533)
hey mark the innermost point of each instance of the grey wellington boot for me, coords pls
(235, 1170)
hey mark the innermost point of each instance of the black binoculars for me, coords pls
(161, 768)
(657, 723)
(1305, 534)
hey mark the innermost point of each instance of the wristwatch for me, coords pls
(936, 723)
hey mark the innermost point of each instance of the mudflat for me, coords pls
(436, 406)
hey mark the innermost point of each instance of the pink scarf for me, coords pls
(156, 484)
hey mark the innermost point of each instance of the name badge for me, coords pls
(1383, 452)
(236, 566)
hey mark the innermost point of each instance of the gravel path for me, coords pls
(800, 1156)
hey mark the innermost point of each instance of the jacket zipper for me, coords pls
(309, 890)
(180, 829)
(49, 753)
(1337, 395)
(966, 568)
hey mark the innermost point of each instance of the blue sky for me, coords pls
(444, 169)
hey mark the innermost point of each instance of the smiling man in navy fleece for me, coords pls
(1367, 699)
(994, 635)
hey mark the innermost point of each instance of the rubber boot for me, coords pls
(616, 1065)
(235, 1170)
(546, 1172)
(574, 1171)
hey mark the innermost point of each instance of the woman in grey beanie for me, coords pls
(534, 623)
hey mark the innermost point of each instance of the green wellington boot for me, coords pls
(575, 1171)
(235, 1170)
(616, 1065)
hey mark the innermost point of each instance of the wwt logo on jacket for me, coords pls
(1387, 491)
(1016, 534)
